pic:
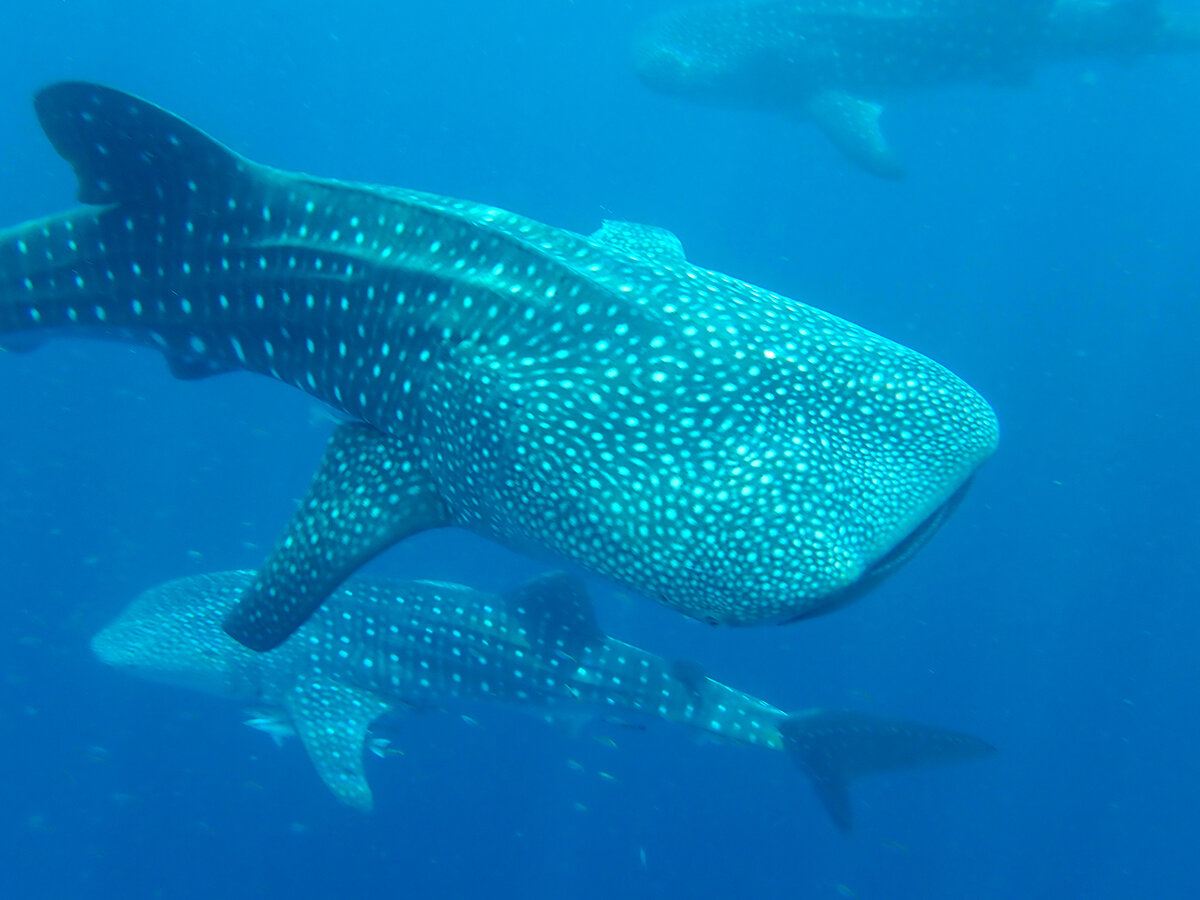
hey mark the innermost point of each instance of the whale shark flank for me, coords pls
(383, 646)
(836, 61)
(737, 455)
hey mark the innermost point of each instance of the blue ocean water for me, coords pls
(1044, 246)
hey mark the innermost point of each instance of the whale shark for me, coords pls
(383, 646)
(735, 454)
(836, 61)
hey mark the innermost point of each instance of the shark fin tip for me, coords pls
(126, 149)
(833, 747)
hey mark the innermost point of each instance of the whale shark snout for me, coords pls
(665, 67)
(109, 648)
(164, 638)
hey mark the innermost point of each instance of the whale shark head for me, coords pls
(172, 634)
(741, 53)
(672, 67)
(685, 56)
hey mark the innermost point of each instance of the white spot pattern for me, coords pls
(738, 455)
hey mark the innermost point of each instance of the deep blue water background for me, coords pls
(1045, 247)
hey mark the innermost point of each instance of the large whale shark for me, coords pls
(735, 454)
(386, 646)
(834, 61)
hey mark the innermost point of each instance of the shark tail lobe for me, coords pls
(833, 747)
(151, 184)
(124, 149)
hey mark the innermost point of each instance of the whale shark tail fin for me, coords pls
(833, 747)
(147, 178)
(127, 150)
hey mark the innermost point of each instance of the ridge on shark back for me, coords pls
(835, 61)
(737, 455)
(383, 646)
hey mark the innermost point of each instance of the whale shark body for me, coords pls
(737, 455)
(834, 61)
(383, 646)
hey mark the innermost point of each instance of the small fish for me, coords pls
(382, 747)
(273, 724)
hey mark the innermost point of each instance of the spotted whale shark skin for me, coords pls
(835, 61)
(382, 646)
(737, 455)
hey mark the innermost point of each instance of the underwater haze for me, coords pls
(1043, 245)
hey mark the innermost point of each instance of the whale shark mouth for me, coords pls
(916, 539)
(895, 558)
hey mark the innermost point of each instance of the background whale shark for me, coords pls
(833, 61)
(385, 646)
(737, 455)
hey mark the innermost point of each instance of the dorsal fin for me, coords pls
(555, 613)
(692, 676)
(125, 150)
(646, 241)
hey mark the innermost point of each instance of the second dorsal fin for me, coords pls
(555, 613)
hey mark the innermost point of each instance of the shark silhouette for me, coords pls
(737, 455)
(384, 646)
(833, 61)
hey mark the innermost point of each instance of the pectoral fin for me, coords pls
(332, 721)
(853, 126)
(369, 492)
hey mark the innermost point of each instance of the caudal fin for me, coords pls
(834, 747)
(124, 149)
(158, 193)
